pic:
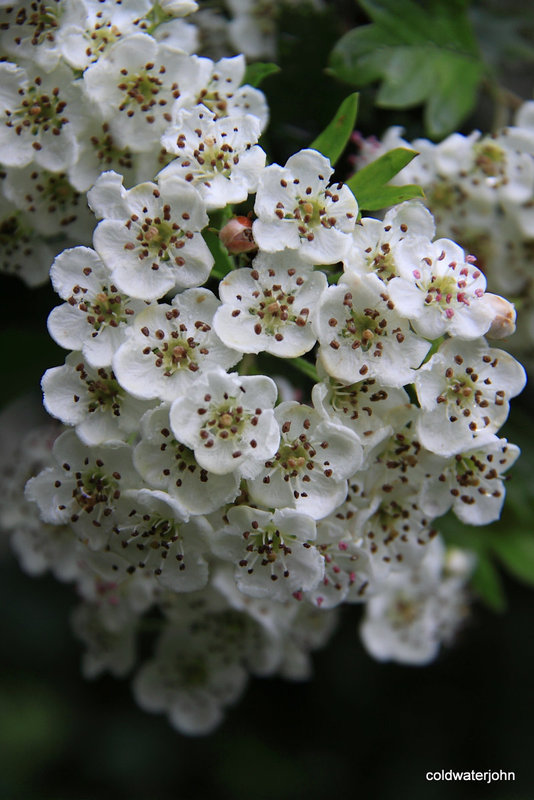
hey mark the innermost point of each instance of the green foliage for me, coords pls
(333, 140)
(487, 584)
(257, 72)
(369, 184)
(421, 53)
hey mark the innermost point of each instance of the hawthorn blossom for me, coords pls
(217, 87)
(219, 157)
(151, 541)
(92, 400)
(41, 116)
(150, 236)
(108, 649)
(140, 79)
(309, 469)
(24, 252)
(362, 335)
(83, 486)
(94, 317)
(228, 422)
(189, 680)
(49, 202)
(165, 463)
(439, 290)
(417, 611)
(170, 345)
(369, 408)
(349, 575)
(472, 482)
(375, 242)
(270, 307)
(297, 208)
(464, 390)
(273, 553)
(36, 32)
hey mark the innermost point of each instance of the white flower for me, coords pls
(135, 84)
(363, 336)
(108, 650)
(439, 290)
(49, 202)
(374, 242)
(368, 407)
(348, 574)
(150, 237)
(41, 115)
(84, 487)
(389, 526)
(228, 422)
(151, 541)
(310, 467)
(464, 391)
(96, 314)
(217, 87)
(297, 209)
(24, 252)
(92, 400)
(165, 463)
(98, 151)
(170, 346)
(219, 157)
(189, 681)
(106, 23)
(415, 612)
(273, 552)
(270, 307)
(36, 32)
(471, 482)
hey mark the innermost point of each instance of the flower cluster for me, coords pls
(480, 189)
(190, 490)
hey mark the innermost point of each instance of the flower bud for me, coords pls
(237, 236)
(504, 316)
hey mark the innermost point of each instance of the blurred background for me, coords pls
(359, 728)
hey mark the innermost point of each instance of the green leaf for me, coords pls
(454, 94)
(358, 56)
(407, 78)
(386, 196)
(423, 52)
(515, 550)
(369, 184)
(487, 584)
(257, 72)
(333, 140)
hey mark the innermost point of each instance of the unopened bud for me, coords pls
(504, 316)
(237, 236)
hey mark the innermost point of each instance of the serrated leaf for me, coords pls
(487, 584)
(454, 94)
(257, 72)
(422, 52)
(333, 140)
(359, 55)
(407, 77)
